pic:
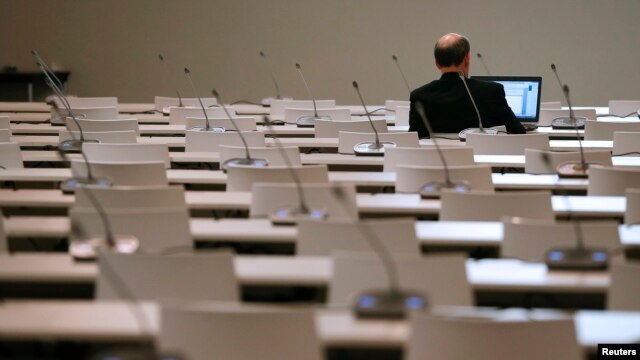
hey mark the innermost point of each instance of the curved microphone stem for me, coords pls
(355, 86)
(464, 81)
(273, 78)
(233, 122)
(57, 80)
(486, 68)
(565, 91)
(423, 115)
(166, 70)
(315, 109)
(555, 72)
(204, 111)
(404, 78)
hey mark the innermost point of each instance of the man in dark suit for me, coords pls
(446, 101)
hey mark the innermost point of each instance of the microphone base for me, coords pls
(244, 162)
(268, 100)
(565, 123)
(74, 146)
(69, 186)
(433, 189)
(573, 169)
(57, 120)
(371, 148)
(462, 135)
(386, 304)
(310, 120)
(528, 126)
(577, 259)
(291, 216)
(87, 250)
(211, 129)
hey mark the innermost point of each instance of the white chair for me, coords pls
(339, 201)
(5, 123)
(124, 174)
(191, 276)
(95, 113)
(487, 206)
(89, 102)
(347, 140)
(441, 278)
(321, 238)
(603, 130)
(5, 136)
(201, 141)
(273, 155)
(411, 178)
(10, 156)
(246, 123)
(624, 290)
(451, 337)
(276, 110)
(548, 115)
(124, 153)
(612, 181)
(632, 214)
(545, 161)
(623, 107)
(626, 143)
(162, 102)
(179, 115)
(455, 156)
(529, 239)
(331, 128)
(207, 331)
(104, 125)
(291, 115)
(127, 197)
(390, 106)
(105, 137)
(402, 116)
(551, 105)
(511, 144)
(242, 178)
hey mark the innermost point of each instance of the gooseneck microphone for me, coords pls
(169, 78)
(48, 69)
(267, 101)
(308, 120)
(207, 126)
(404, 78)
(291, 216)
(462, 135)
(486, 68)
(563, 122)
(370, 148)
(433, 189)
(247, 160)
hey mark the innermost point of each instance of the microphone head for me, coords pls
(355, 84)
(160, 57)
(215, 93)
(262, 54)
(395, 58)
(33, 52)
(187, 71)
(479, 55)
(553, 67)
(298, 66)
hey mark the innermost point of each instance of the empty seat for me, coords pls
(242, 178)
(246, 123)
(291, 115)
(511, 144)
(161, 102)
(331, 128)
(105, 137)
(124, 173)
(347, 140)
(545, 161)
(5, 135)
(612, 181)
(603, 130)
(624, 290)
(272, 155)
(88, 102)
(487, 206)
(178, 115)
(201, 141)
(411, 178)
(402, 116)
(548, 115)
(277, 107)
(10, 156)
(5, 123)
(124, 153)
(623, 107)
(626, 143)
(94, 113)
(632, 214)
(104, 125)
(454, 156)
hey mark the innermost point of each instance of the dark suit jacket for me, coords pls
(449, 108)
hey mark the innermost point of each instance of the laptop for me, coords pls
(522, 94)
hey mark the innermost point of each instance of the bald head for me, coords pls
(451, 51)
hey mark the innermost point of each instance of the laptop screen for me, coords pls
(522, 94)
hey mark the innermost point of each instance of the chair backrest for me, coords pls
(291, 115)
(551, 105)
(331, 128)
(105, 137)
(612, 181)
(95, 113)
(10, 156)
(124, 174)
(347, 140)
(234, 331)
(402, 116)
(191, 276)
(623, 107)
(529, 239)
(162, 102)
(178, 115)
(548, 115)
(626, 143)
(277, 107)
(201, 141)
(632, 214)
(245, 123)
(5, 135)
(273, 155)
(483, 144)
(447, 336)
(242, 178)
(487, 206)
(104, 125)
(604, 130)
(411, 178)
(441, 278)
(87, 102)
(624, 290)
(127, 197)
(322, 238)
(545, 161)
(339, 201)
(391, 105)
(5, 123)
(124, 153)
(455, 156)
